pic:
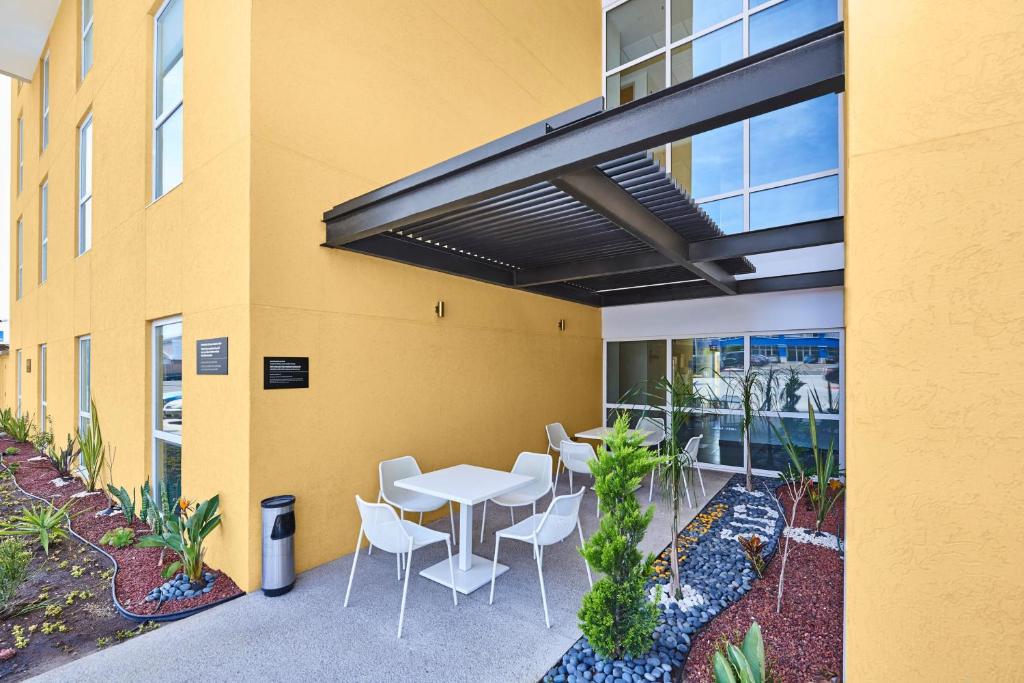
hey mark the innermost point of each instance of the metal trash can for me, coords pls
(278, 545)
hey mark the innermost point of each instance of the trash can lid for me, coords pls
(277, 501)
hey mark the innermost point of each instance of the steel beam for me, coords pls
(701, 290)
(796, 236)
(602, 194)
(794, 72)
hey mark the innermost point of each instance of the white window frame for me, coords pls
(86, 36)
(42, 387)
(746, 335)
(84, 415)
(83, 237)
(44, 123)
(44, 230)
(18, 291)
(666, 51)
(156, 400)
(18, 362)
(160, 119)
(21, 152)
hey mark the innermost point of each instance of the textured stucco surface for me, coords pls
(935, 315)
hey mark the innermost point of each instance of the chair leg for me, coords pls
(701, 478)
(369, 551)
(421, 519)
(686, 486)
(570, 481)
(405, 589)
(451, 572)
(483, 522)
(398, 565)
(451, 517)
(535, 507)
(494, 567)
(512, 514)
(558, 470)
(579, 528)
(650, 494)
(355, 558)
(540, 575)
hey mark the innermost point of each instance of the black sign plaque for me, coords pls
(285, 372)
(212, 356)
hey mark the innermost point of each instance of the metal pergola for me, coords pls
(575, 207)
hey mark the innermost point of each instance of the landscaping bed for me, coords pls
(138, 570)
(714, 573)
(63, 609)
(805, 641)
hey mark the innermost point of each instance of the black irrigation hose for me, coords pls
(122, 610)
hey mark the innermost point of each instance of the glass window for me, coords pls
(807, 201)
(726, 213)
(795, 141)
(168, 462)
(710, 163)
(788, 20)
(168, 344)
(44, 229)
(632, 30)
(21, 256)
(169, 93)
(721, 442)
(42, 386)
(707, 52)
(85, 186)
(800, 368)
(84, 383)
(44, 128)
(634, 367)
(635, 82)
(714, 362)
(766, 451)
(693, 16)
(86, 56)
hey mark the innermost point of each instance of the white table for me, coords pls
(466, 485)
(599, 433)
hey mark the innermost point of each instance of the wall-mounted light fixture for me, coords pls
(561, 324)
(28, 365)
(439, 309)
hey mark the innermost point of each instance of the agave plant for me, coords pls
(20, 428)
(744, 664)
(62, 459)
(93, 453)
(40, 521)
(826, 479)
(184, 534)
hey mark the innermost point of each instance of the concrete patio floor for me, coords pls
(306, 634)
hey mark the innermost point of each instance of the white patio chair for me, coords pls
(556, 435)
(537, 466)
(540, 530)
(404, 499)
(576, 457)
(653, 440)
(692, 448)
(384, 529)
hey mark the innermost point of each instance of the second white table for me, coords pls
(466, 485)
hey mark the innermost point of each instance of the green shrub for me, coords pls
(62, 459)
(184, 534)
(617, 617)
(118, 538)
(14, 561)
(11, 450)
(93, 453)
(826, 479)
(20, 428)
(744, 664)
(41, 522)
(42, 439)
(125, 499)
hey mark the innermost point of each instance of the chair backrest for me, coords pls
(692, 446)
(560, 519)
(537, 466)
(577, 456)
(393, 470)
(382, 526)
(656, 428)
(556, 435)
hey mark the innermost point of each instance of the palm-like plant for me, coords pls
(750, 388)
(684, 402)
(93, 453)
(184, 535)
(40, 521)
(62, 459)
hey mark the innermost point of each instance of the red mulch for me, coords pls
(805, 642)
(139, 569)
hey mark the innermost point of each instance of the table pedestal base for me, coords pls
(468, 581)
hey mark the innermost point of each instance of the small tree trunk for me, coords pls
(674, 547)
(797, 495)
(750, 460)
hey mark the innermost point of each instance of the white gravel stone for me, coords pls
(822, 538)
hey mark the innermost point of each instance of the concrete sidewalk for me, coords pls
(306, 634)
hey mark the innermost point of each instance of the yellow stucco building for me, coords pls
(179, 196)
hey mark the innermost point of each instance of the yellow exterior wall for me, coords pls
(934, 292)
(187, 253)
(347, 97)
